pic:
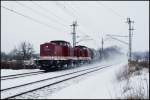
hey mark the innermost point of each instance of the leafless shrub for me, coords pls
(128, 90)
(18, 64)
(140, 64)
(136, 92)
(123, 73)
(144, 64)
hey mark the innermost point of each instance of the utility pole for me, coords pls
(102, 44)
(74, 33)
(102, 47)
(130, 38)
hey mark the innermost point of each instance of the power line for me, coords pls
(70, 12)
(118, 35)
(110, 9)
(47, 10)
(53, 13)
(118, 39)
(39, 13)
(75, 11)
(28, 17)
(64, 9)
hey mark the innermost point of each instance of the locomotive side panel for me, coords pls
(47, 50)
(59, 53)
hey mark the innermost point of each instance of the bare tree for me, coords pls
(146, 56)
(25, 50)
(4, 56)
(137, 57)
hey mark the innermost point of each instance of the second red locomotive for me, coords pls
(56, 54)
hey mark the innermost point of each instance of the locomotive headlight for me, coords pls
(46, 48)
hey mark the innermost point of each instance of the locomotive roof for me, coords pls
(59, 41)
(80, 46)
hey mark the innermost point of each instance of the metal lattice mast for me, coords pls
(130, 38)
(74, 33)
(102, 48)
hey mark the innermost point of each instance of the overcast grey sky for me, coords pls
(94, 18)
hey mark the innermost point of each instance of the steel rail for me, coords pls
(21, 75)
(97, 68)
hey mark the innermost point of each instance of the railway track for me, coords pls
(15, 91)
(21, 75)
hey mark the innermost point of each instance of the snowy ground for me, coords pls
(104, 85)
(98, 85)
(136, 86)
(5, 72)
(19, 81)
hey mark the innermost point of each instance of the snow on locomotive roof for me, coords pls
(60, 42)
(80, 46)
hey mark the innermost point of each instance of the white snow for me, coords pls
(5, 72)
(98, 86)
(40, 84)
(102, 85)
(138, 85)
(19, 81)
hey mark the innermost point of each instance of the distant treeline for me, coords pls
(140, 56)
(20, 57)
(23, 56)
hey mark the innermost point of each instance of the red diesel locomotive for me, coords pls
(56, 54)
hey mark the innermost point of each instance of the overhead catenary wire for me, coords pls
(60, 5)
(74, 11)
(31, 18)
(77, 13)
(118, 40)
(111, 10)
(33, 9)
(69, 12)
(51, 13)
(117, 35)
(39, 13)
(65, 10)
(108, 39)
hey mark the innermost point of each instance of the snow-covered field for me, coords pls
(136, 86)
(103, 85)
(5, 72)
(98, 85)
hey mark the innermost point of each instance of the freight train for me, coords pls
(58, 54)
